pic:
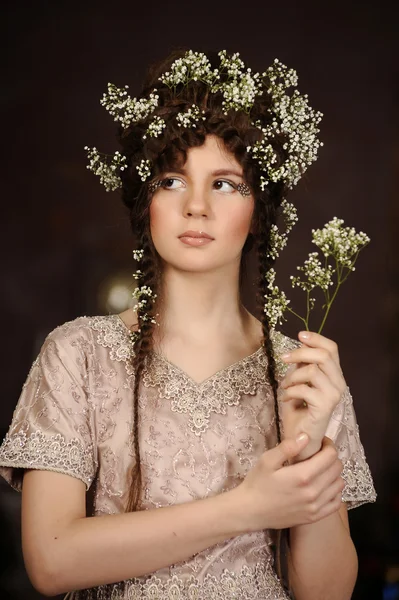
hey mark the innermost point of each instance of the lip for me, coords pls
(195, 234)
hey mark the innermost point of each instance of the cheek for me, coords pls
(158, 218)
(239, 222)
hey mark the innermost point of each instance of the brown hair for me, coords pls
(236, 132)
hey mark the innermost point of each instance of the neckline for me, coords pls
(197, 384)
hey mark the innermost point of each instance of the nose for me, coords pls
(197, 204)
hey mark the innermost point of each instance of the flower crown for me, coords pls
(291, 116)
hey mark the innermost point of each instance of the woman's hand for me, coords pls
(316, 378)
(274, 495)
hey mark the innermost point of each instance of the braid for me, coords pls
(266, 217)
(142, 348)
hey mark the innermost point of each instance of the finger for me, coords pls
(330, 477)
(286, 450)
(330, 493)
(324, 361)
(316, 340)
(330, 501)
(323, 459)
(306, 373)
(311, 376)
(301, 392)
(318, 463)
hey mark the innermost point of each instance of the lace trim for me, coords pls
(51, 453)
(222, 389)
(359, 486)
(259, 581)
(213, 395)
(113, 334)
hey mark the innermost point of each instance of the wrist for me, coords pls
(238, 512)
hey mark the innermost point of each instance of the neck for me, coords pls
(198, 307)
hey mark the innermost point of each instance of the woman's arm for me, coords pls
(323, 559)
(64, 550)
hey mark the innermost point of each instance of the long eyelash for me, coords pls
(154, 185)
(242, 188)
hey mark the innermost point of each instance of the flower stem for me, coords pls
(299, 317)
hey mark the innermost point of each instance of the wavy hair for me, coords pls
(169, 150)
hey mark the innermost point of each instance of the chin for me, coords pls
(200, 264)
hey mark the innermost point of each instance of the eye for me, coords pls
(231, 187)
(168, 183)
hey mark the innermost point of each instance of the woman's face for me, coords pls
(202, 197)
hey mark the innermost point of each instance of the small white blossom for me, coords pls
(193, 66)
(144, 169)
(278, 240)
(106, 167)
(190, 117)
(138, 255)
(316, 274)
(125, 109)
(141, 294)
(276, 301)
(291, 117)
(343, 243)
(155, 128)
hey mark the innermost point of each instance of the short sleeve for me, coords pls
(343, 430)
(51, 425)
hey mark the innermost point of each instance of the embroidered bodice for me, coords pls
(75, 416)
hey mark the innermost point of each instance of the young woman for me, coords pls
(159, 451)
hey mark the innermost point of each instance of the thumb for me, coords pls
(287, 450)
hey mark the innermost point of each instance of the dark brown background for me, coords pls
(62, 235)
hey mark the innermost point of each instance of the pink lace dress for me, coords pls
(74, 416)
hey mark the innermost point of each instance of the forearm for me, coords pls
(323, 560)
(98, 550)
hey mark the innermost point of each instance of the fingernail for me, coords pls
(304, 334)
(302, 437)
(285, 356)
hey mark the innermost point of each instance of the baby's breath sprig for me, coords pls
(190, 117)
(142, 293)
(144, 169)
(278, 240)
(107, 167)
(155, 128)
(125, 109)
(194, 66)
(342, 244)
(276, 301)
(290, 117)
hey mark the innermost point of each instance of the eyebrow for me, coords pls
(217, 173)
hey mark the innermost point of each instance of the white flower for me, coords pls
(125, 109)
(291, 117)
(278, 240)
(144, 169)
(343, 243)
(316, 274)
(190, 117)
(106, 167)
(155, 128)
(276, 301)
